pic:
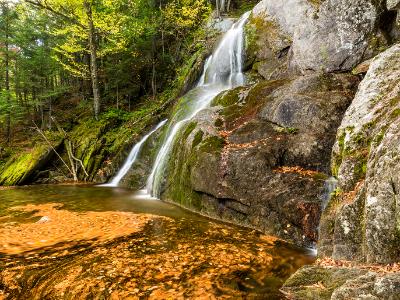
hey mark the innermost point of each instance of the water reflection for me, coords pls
(105, 243)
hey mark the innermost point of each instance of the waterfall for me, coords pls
(329, 188)
(132, 158)
(223, 5)
(222, 71)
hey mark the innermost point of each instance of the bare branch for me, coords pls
(48, 142)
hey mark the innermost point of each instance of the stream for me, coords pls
(97, 242)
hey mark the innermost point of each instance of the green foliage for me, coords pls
(9, 107)
(115, 113)
(146, 51)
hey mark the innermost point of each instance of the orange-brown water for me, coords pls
(76, 242)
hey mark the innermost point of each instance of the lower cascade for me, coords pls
(132, 157)
(222, 71)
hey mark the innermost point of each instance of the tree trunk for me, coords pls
(7, 69)
(153, 75)
(93, 59)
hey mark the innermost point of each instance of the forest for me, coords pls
(200, 149)
(109, 56)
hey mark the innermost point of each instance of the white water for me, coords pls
(222, 71)
(221, 5)
(330, 187)
(132, 158)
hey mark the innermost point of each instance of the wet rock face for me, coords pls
(363, 221)
(260, 156)
(340, 283)
(393, 4)
(304, 35)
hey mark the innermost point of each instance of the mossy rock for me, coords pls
(314, 282)
(182, 159)
(20, 168)
(266, 48)
(243, 103)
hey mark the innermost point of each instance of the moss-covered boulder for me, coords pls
(260, 155)
(363, 221)
(23, 167)
(341, 283)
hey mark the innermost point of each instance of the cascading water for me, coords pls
(330, 186)
(221, 5)
(222, 71)
(132, 158)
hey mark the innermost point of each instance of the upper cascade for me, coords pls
(223, 70)
(223, 5)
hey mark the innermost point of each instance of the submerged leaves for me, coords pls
(124, 255)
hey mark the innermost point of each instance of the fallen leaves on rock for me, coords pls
(378, 268)
(296, 170)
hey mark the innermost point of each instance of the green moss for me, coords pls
(259, 31)
(360, 168)
(320, 176)
(338, 159)
(395, 113)
(228, 98)
(189, 129)
(288, 130)
(178, 179)
(19, 166)
(306, 283)
(212, 144)
(252, 36)
(334, 201)
(219, 123)
(197, 138)
(241, 103)
(95, 141)
(378, 139)
(394, 101)
(359, 151)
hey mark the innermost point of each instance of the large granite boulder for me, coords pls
(362, 221)
(306, 35)
(260, 155)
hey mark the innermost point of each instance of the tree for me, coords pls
(83, 26)
(93, 57)
(6, 17)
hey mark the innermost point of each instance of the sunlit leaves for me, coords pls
(185, 14)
